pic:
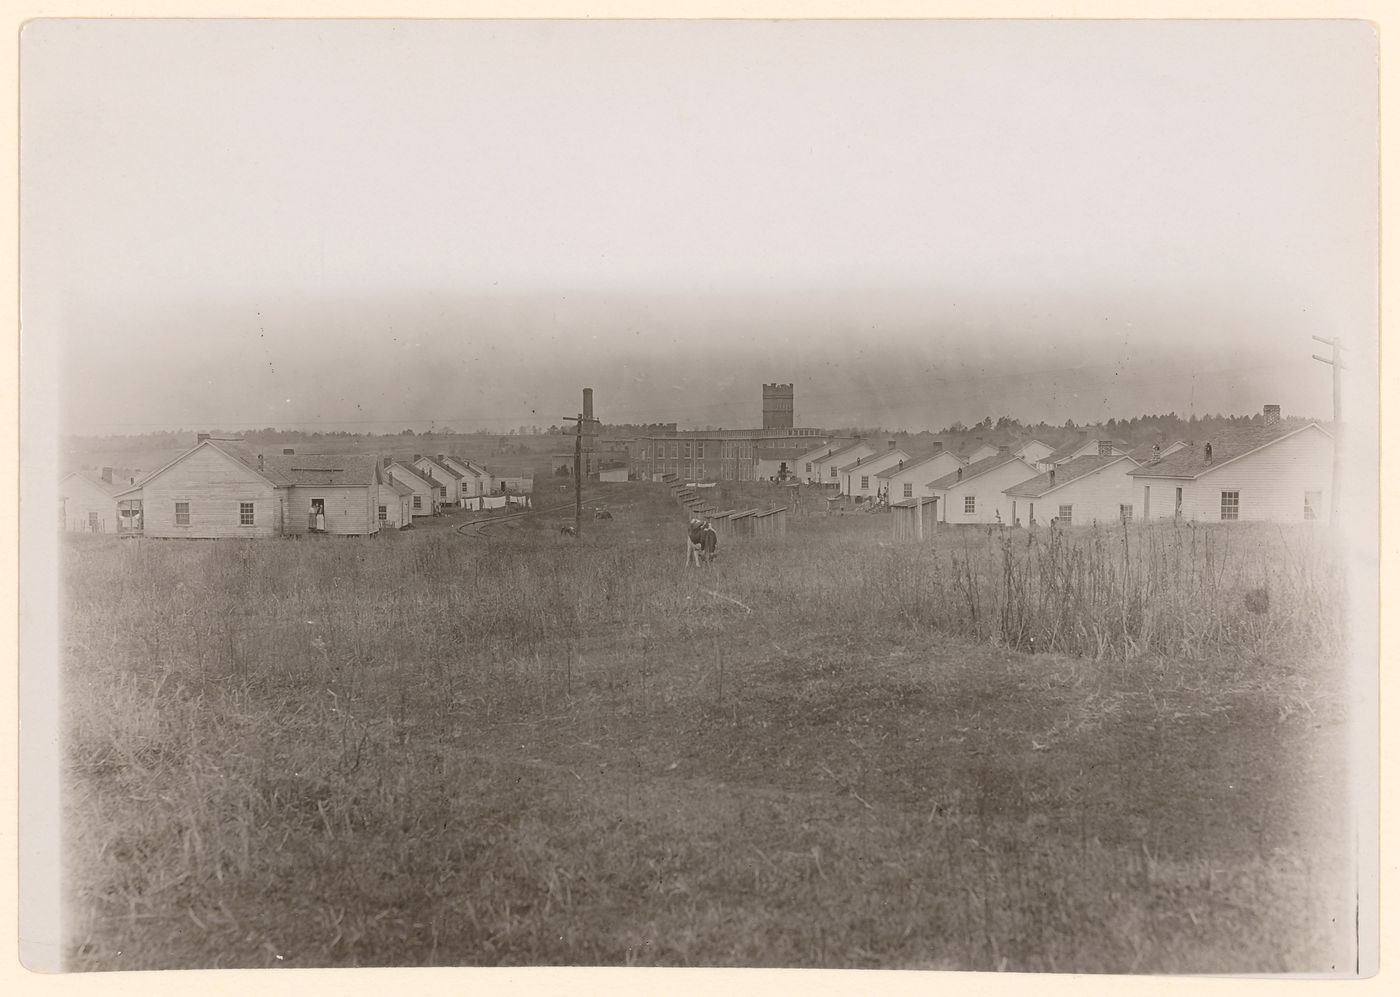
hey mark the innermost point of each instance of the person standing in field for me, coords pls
(703, 541)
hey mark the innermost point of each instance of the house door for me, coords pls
(1146, 502)
(317, 519)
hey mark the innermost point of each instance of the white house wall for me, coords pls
(1271, 483)
(868, 468)
(989, 491)
(1094, 498)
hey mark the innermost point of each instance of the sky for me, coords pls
(368, 226)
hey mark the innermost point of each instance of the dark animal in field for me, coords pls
(701, 542)
(602, 514)
(568, 531)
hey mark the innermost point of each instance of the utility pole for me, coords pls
(584, 417)
(1337, 367)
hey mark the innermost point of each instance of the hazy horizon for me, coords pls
(377, 225)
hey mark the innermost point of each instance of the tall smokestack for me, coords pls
(588, 403)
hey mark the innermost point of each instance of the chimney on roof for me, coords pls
(201, 437)
(891, 444)
(441, 457)
(1156, 452)
(901, 465)
(937, 446)
(1004, 451)
(1052, 475)
(388, 461)
(1272, 414)
(1105, 448)
(260, 462)
(1210, 454)
(959, 474)
(107, 475)
(417, 457)
(288, 452)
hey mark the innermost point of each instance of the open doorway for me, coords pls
(317, 521)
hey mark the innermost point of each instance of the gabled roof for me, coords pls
(439, 465)
(837, 452)
(1080, 467)
(1143, 453)
(867, 461)
(909, 465)
(398, 487)
(402, 468)
(232, 449)
(109, 487)
(1068, 451)
(307, 470)
(470, 465)
(1226, 446)
(974, 470)
(815, 454)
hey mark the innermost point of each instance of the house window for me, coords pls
(1067, 515)
(1125, 513)
(245, 513)
(864, 481)
(674, 450)
(383, 513)
(417, 502)
(909, 489)
(685, 451)
(700, 450)
(182, 514)
(969, 504)
(1312, 501)
(443, 491)
(1229, 505)
(833, 472)
(809, 467)
(92, 522)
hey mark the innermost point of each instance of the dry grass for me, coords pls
(821, 751)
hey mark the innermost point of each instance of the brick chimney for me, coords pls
(1052, 475)
(1156, 452)
(937, 446)
(1272, 414)
(201, 438)
(260, 462)
(1105, 448)
(288, 452)
(417, 457)
(441, 458)
(107, 475)
(892, 444)
(1210, 454)
(1004, 451)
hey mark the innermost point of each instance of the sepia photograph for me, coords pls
(807, 494)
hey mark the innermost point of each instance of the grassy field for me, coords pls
(1095, 751)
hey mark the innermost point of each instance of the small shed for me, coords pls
(914, 519)
(770, 522)
(742, 522)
